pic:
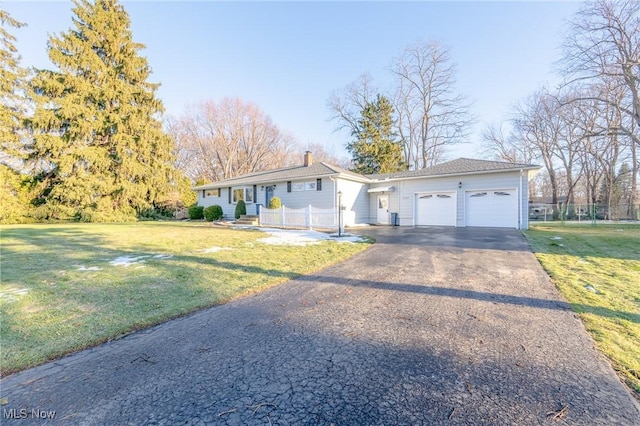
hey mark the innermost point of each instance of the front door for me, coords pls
(269, 191)
(383, 209)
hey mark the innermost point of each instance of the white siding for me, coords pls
(356, 201)
(402, 200)
(361, 207)
(323, 199)
(299, 199)
(393, 200)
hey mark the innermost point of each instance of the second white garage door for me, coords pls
(436, 209)
(494, 208)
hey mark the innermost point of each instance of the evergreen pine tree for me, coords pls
(375, 149)
(13, 102)
(14, 188)
(99, 141)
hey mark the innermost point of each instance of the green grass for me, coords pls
(50, 307)
(597, 270)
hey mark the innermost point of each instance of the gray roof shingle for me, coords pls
(455, 167)
(315, 170)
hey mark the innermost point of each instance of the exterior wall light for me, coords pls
(459, 184)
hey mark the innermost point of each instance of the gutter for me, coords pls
(231, 183)
(452, 174)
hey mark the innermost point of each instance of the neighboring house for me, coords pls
(462, 192)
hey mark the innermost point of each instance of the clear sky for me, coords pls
(289, 57)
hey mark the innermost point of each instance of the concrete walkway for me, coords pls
(429, 326)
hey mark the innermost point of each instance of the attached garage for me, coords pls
(436, 209)
(492, 208)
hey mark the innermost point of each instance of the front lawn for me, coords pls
(65, 287)
(597, 270)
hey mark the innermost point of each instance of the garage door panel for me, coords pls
(436, 209)
(492, 208)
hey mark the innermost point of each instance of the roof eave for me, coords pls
(441, 175)
(231, 183)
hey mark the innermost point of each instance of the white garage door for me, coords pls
(436, 209)
(495, 208)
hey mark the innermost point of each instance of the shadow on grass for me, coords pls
(581, 308)
(606, 242)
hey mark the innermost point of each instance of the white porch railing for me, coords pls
(309, 217)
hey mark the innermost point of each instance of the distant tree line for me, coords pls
(221, 140)
(586, 131)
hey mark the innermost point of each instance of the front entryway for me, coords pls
(269, 195)
(383, 209)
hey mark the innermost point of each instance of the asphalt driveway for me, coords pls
(428, 326)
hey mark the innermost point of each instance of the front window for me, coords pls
(238, 194)
(245, 193)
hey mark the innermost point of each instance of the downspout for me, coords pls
(335, 196)
(520, 203)
(335, 191)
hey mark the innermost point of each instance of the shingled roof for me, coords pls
(457, 167)
(460, 166)
(315, 170)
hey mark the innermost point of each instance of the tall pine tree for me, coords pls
(99, 141)
(14, 191)
(375, 149)
(13, 102)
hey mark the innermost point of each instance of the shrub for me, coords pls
(241, 208)
(196, 212)
(275, 203)
(212, 213)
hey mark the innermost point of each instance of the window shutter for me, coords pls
(218, 192)
(203, 193)
(318, 184)
(229, 195)
(289, 186)
(255, 193)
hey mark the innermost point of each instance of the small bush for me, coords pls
(241, 208)
(275, 203)
(196, 212)
(212, 213)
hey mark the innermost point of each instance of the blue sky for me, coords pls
(289, 57)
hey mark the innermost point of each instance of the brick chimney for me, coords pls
(308, 158)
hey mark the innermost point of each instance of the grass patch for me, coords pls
(66, 287)
(597, 270)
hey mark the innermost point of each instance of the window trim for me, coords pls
(245, 190)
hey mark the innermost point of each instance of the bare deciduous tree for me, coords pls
(320, 154)
(431, 115)
(535, 124)
(217, 141)
(502, 145)
(347, 104)
(604, 44)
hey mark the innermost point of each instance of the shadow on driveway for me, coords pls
(428, 326)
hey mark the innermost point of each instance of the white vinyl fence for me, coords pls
(309, 217)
